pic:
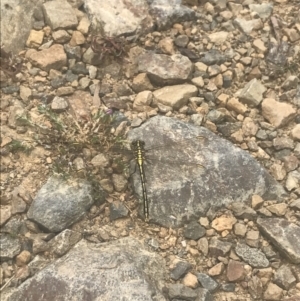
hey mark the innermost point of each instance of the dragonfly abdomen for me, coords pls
(138, 147)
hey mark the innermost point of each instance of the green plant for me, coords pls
(16, 145)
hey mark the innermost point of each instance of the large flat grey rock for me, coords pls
(167, 12)
(59, 15)
(179, 189)
(284, 235)
(16, 22)
(117, 270)
(117, 17)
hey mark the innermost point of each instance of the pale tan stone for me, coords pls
(219, 37)
(35, 38)
(256, 201)
(5, 214)
(198, 81)
(84, 25)
(217, 269)
(224, 222)
(201, 67)
(277, 113)
(190, 280)
(77, 38)
(52, 58)
(226, 15)
(235, 105)
(5, 141)
(240, 229)
(167, 45)
(249, 127)
(237, 136)
(143, 98)
(23, 258)
(273, 292)
(278, 209)
(295, 133)
(278, 171)
(259, 45)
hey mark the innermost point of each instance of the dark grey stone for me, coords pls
(203, 295)
(243, 211)
(252, 256)
(113, 102)
(227, 79)
(272, 134)
(73, 52)
(11, 89)
(154, 243)
(38, 25)
(264, 10)
(181, 40)
(228, 128)
(57, 82)
(280, 143)
(269, 252)
(252, 93)
(194, 231)
(13, 226)
(213, 57)
(188, 53)
(70, 76)
(295, 204)
(209, 96)
(284, 277)
(284, 235)
(10, 246)
(105, 88)
(122, 89)
(216, 116)
(207, 282)
(59, 204)
(218, 247)
(180, 269)
(228, 26)
(228, 287)
(180, 291)
(114, 70)
(282, 153)
(80, 68)
(117, 210)
(261, 134)
(296, 102)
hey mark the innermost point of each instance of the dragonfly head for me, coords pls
(136, 144)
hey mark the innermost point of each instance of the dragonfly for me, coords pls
(155, 155)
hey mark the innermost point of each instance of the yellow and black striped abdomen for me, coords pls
(138, 147)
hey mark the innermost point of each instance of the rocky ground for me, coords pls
(231, 67)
